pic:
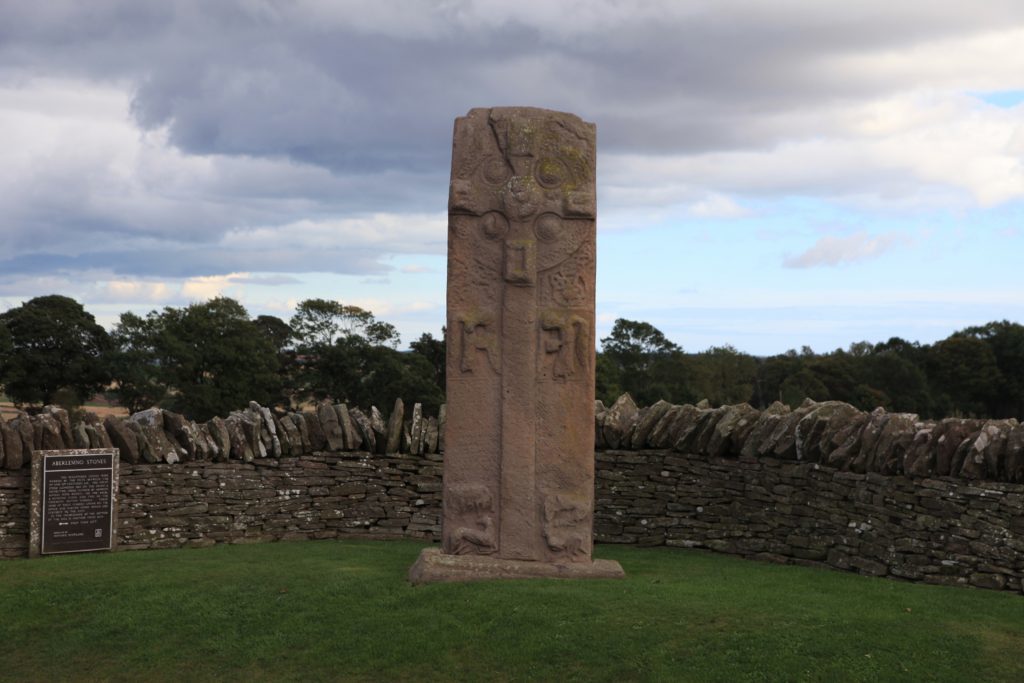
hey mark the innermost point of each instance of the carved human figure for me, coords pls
(471, 529)
(567, 343)
(478, 335)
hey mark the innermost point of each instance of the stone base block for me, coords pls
(434, 566)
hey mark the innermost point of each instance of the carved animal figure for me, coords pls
(564, 517)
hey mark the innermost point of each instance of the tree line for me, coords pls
(975, 372)
(209, 358)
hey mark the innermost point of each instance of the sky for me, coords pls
(771, 175)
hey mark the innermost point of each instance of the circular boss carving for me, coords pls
(550, 172)
(495, 226)
(548, 227)
(495, 170)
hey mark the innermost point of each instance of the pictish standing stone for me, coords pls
(519, 458)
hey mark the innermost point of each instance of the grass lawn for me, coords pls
(343, 611)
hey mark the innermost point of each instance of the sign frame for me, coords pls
(46, 464)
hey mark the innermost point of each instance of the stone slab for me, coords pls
(433, 566)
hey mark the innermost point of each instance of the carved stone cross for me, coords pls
(519, 454)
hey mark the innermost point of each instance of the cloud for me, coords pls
(832, 250)
(237, 144)
(717, 206)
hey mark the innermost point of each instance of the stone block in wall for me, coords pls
(416, 430)
(188, 435)
(12, 446)
(270, 431)
(250, 425)
(79, 437)
(619, 420)
(986, 458)
(123, 438)
(815, 430)
(442, 423)
(47, 433)
(300, 424)
(599, 414)
(328, 417)
(666, 431)
(241, 448)
(98, 437)
(693, 426)
(380, 430)
(765, 426)
(369, 438)
(220, 437)
(63, 420)
(350, 433)
(1014, 460)
(317, 438)
(161, 449)
(730, 432)
(430, 435)
(894, 442)
(394, 427)
(258, 433)
(646, 423)
(782, 442)
(290, 434)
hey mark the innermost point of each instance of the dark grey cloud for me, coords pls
(365, 90)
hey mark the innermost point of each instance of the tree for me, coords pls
(1006, 340)
(724, 376)
(638, 358)
(49, 346)
(277, 331)
(207, 359)
(964, 375)
(772, 372)
(802, 385)
(318, 323)
(357, 371)
(135, 361)
(434, 351)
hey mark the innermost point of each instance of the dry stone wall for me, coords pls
(824, 484)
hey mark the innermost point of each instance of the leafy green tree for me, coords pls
(51, 346)
(638, 358)
(802, 385)
(277, 331)
(772, 372)
(202, 360)
(357, 371)
(1006, 340)
(724, 376)
(963, 374)
(135, 361)
(318, 323)
(434, 351)
(902, 382)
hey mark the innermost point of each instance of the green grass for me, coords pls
(343, 611)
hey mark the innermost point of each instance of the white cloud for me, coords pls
(832, 250)
(717, 206)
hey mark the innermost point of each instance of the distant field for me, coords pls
(343, 611)
(101, 408)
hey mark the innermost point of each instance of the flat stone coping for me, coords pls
(433, 566)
